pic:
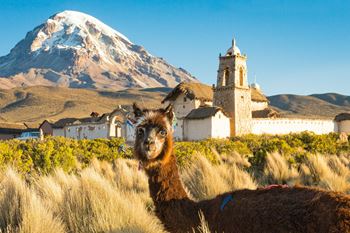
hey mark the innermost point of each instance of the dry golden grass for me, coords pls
(114, 197)
(277, 170)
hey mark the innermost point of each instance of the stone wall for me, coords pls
(224, 98)
(243, 114)
(344, 126)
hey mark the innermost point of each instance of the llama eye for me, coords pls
(140, 131)
(162, 132)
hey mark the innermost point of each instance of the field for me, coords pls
(62, 185)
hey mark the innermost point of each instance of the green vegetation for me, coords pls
(294, 147)
(68, 154)
(71, 155)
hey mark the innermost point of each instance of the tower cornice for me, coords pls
(231, 87)
(232, 56)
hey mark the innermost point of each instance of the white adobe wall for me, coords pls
(178, 132)
(259, 105)
(344, 126)
(220, 126)
(217, 126)
(289, 125)
(88, 131)
(183, 108)
(198, 129)
(58, 132)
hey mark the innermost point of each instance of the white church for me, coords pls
(232, 107)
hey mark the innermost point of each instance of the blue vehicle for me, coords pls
(29, 135)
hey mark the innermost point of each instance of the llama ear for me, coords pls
(137, 111)
(169, 111)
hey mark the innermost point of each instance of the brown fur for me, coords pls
(297, 209)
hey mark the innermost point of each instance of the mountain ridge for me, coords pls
(326, 105)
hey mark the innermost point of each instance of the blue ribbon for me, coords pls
(226, 200)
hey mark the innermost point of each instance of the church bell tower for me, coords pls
(232, 91)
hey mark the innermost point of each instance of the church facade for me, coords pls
(232, 91)
(243, 108)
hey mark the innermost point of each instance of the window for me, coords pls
(183, 106)
(241, 76)
(225, 78)
(185, 99)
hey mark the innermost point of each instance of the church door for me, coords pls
(118, 131)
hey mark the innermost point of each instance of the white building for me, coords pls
(115, 124)
(206, 122)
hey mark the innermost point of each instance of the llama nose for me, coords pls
(149, 142)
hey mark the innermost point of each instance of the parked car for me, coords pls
(29, 135)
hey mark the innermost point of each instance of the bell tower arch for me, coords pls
(232, 91)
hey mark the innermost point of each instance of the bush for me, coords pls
(294, 147)
(58, 152)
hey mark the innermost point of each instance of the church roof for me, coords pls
(342, 117)
(265, 113)
(72, 121)
(204, 92)
(233, 50)
(258, 96)
(203, 112)
(192, 91)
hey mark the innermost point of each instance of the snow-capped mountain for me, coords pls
(73, 49)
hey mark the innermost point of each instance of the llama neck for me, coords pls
(164, 182)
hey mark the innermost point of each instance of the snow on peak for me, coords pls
(80, 19)
(71, 29)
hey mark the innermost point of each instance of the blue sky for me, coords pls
(295, 46)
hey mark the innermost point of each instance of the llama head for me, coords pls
(153, 141)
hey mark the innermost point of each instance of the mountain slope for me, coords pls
(318, 105)
(72, 49)
(35, 104)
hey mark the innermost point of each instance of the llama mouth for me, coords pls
(150, 153)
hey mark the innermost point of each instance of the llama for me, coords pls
(272, 210)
